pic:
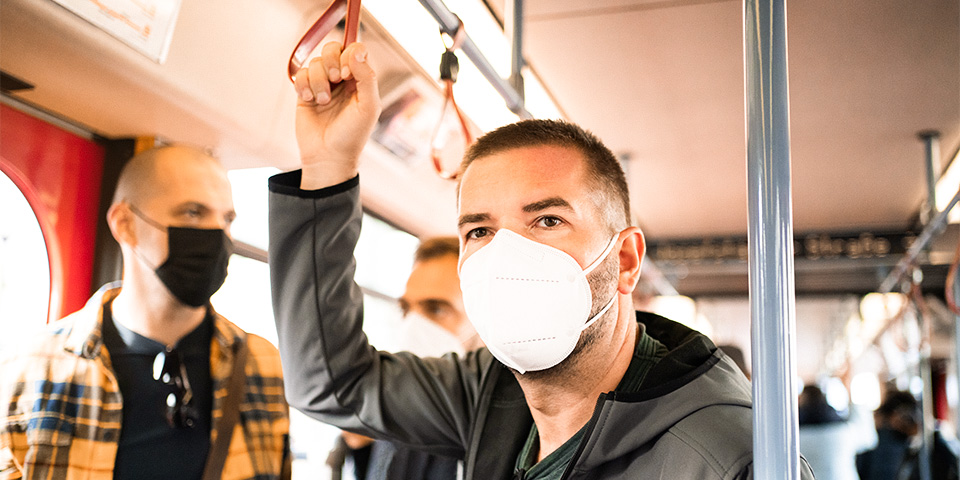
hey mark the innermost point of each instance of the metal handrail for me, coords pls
(932, 229)
(450, 23)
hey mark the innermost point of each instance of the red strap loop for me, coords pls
(951, 281)
(324, 25)
(464, 129)
(457, 40)
(457, 36)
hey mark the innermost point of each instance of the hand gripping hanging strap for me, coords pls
(236, 388)
(449, 67)
(325, 24)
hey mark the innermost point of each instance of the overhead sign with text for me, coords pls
(812, 246)
(144, 25)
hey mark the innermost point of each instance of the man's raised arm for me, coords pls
(331, 372)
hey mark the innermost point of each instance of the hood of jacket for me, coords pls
(692, 377)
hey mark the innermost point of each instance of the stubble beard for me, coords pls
(603, 286)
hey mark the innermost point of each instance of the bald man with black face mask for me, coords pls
(147, 380)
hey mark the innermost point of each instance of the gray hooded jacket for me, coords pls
(691, 419)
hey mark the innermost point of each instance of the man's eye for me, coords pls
(437, 309)
(192, 212)
(550, 222)
(477, 233)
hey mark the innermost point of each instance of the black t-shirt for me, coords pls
(149, 447)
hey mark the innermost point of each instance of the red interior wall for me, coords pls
(60, 174)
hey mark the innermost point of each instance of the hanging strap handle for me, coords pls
(951, 283)
(231, 412)
(325, 24)
(449, 68)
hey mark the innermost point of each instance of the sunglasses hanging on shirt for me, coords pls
(170, 370)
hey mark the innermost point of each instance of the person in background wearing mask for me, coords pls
(572, 382)
(434, 323)
(896, 455)
(146, 381)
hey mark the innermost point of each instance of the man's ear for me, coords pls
(632, 248)
(120, 221)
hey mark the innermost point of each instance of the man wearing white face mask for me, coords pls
(573, 384)
(435, 320)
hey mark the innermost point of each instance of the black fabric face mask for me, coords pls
(196, 264)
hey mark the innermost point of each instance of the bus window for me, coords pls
(24, 267)
(384, 257)
(244, 298)
(250, 200)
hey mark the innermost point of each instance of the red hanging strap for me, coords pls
(324, 25)
(449, 67)
(949, 294)
(464, 129)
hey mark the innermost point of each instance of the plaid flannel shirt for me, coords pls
(63, 403)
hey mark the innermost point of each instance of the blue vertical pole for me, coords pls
(772, 301)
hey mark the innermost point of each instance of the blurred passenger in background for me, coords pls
(825, 437)
(896, 456)
(814, 409)
(435, 321)
(434, 324)
(147, 381)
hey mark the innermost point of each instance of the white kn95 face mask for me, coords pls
(528, 301)
(423, 337)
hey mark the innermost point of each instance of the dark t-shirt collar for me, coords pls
(120, 339)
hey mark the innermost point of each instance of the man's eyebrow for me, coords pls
(192, 204)
(434, 302)
(231, 215)
(472, 218)
(545, 204)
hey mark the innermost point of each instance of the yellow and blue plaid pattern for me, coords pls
(63, 406)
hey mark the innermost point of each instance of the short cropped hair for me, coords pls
(603, 169)
(137, 181)
(437, 247)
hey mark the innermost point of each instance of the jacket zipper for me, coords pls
(586, 436)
